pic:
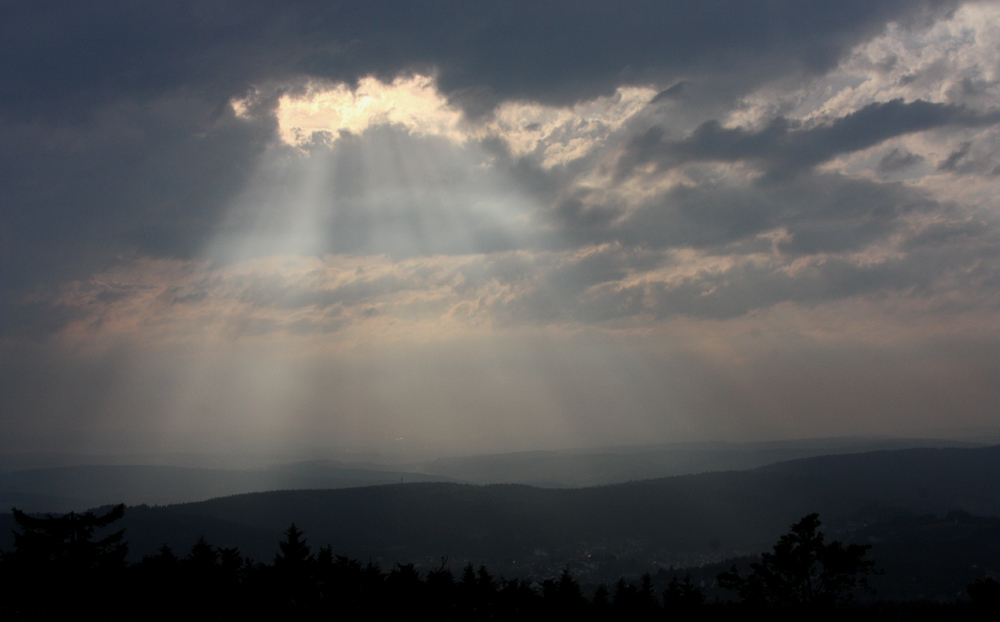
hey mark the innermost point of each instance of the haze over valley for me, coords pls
(578, 289)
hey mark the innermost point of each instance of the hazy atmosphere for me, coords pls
(389, 228)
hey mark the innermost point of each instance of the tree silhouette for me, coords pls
(568, 590)
(803, 571)
(66, 542)
(602, 598)
(58, 555)
(646, 595)
(203, 557)
(625, 598)
(985, 595)
(682, 596)
(295, 553)
(294, 568)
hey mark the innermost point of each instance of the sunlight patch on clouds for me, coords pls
(412, 102)
(340, 301)
(956, 60)
(557, 135)
(565, 134)
(413, 232)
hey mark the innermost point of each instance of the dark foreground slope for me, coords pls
(58, 571)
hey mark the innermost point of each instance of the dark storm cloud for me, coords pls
(67, 55)
(116, 129)
(784, 148)
(116, 133)
(154, 177)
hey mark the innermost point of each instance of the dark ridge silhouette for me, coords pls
(615, 465)
(63, 488)
(675, 516)
(677, 520)
(928, 479)
(65, 566)
(68, 487)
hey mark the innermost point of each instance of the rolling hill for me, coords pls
(674, 520)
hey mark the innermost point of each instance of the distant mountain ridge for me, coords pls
(613, 465)
(672, 520)
(719, 513)
(74, 487)
(61, 489)
(930, 480)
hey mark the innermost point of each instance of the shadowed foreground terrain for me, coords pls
(59, 567)
(931, 515)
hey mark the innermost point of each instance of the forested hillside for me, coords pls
(675, 520)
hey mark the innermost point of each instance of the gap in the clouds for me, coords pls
(411, 101)
(323, 112)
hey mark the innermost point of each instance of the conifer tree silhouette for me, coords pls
(602, 599)
(294, 566)
(203, 558)
(231, 565)
(469, 577)
(682, 596)
(295, 553)
(646, 599)
(66, 542)
(802, 570)
(624, 598)
(406, 588)
(441, 577)
(59, 555)
(569, 589)
(985, 595)
(564, 596)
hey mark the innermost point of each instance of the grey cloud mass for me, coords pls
(840, 214)
(453, 220)
(117, 129)
(72, 55)
(782, 149)
(897, 160)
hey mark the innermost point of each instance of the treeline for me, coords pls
(58, 568)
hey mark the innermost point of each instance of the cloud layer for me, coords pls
(484, 227)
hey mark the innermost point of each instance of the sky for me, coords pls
(461, 227)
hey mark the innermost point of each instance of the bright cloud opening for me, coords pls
(558, 134)
(412, 102)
